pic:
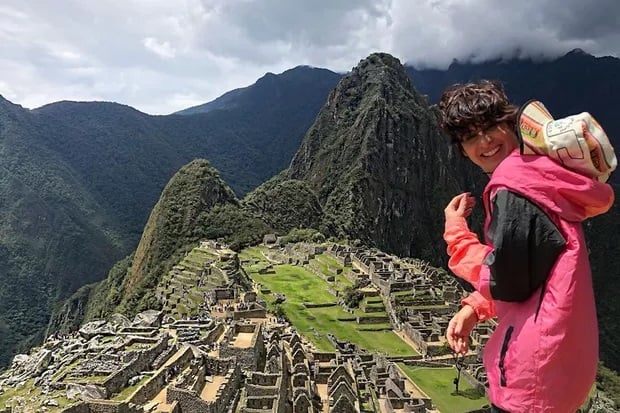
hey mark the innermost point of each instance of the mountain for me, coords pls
(77, 182)
(195, 205)
(286, 86)
(382, 173)
(378, 163)
(285, 204)
(55, 236)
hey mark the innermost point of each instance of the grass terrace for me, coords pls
(255, 253)
(438, 384)
(300, 287)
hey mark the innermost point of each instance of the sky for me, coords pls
(161, 56)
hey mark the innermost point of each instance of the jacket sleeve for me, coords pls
(483, 308)
(467, 254)
(526, 244)
(466, 251)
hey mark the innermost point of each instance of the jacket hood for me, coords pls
(570, 195)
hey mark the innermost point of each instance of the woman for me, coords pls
(532, 272)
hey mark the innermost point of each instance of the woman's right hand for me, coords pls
(460, 206)
(459, 329)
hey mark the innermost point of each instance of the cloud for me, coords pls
(161, 56)
(161, 49)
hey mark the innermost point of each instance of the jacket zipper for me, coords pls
(502, 356)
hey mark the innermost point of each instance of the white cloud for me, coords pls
(161, 49)
(161, 56)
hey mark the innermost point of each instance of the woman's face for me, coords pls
(488, 148)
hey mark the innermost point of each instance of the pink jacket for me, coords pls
(543, 354)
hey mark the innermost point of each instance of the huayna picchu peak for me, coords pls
(378, 162)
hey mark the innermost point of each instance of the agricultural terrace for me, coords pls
(300, 288)
(438, 384)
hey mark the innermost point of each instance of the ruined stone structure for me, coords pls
(214, 347)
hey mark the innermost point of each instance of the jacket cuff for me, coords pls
(483, 308)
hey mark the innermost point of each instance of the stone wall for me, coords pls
(175, 408)
(214, 333)
(224, 294)
(149, 389)
(400, 286)
(415, 336)
(372, 319)
(188, 401)
(259, 404)
(252, 390)
(323, 356)
(262, 379)
(244, 356)
(410, 406)
(228, 394)
(156, 383)
(143, 363)
(76, 408)
(241, 315)
(106, 406)
(218, 366)
(319, 305)
(244, 328)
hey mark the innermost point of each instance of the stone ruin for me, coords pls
(191, 357)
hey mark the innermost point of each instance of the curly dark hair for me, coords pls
(472, 107)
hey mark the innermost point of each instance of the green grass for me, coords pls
(297, 284)
(437, 384)
(329, 261)
(343, 281)
(301, 286)
(252, 252)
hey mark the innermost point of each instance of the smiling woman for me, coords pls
(532, 272)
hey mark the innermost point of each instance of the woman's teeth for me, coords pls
(491, 153)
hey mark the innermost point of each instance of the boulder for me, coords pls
(74, 390)
(149, 318)
(89, 330)
(90, 392)
(119, 321)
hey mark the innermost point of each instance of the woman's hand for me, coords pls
(459, 329)
(460, 206)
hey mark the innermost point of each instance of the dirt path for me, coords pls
(209, 391)
(322, 390)
(243, 340)
(162, 406)
(411, 387)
